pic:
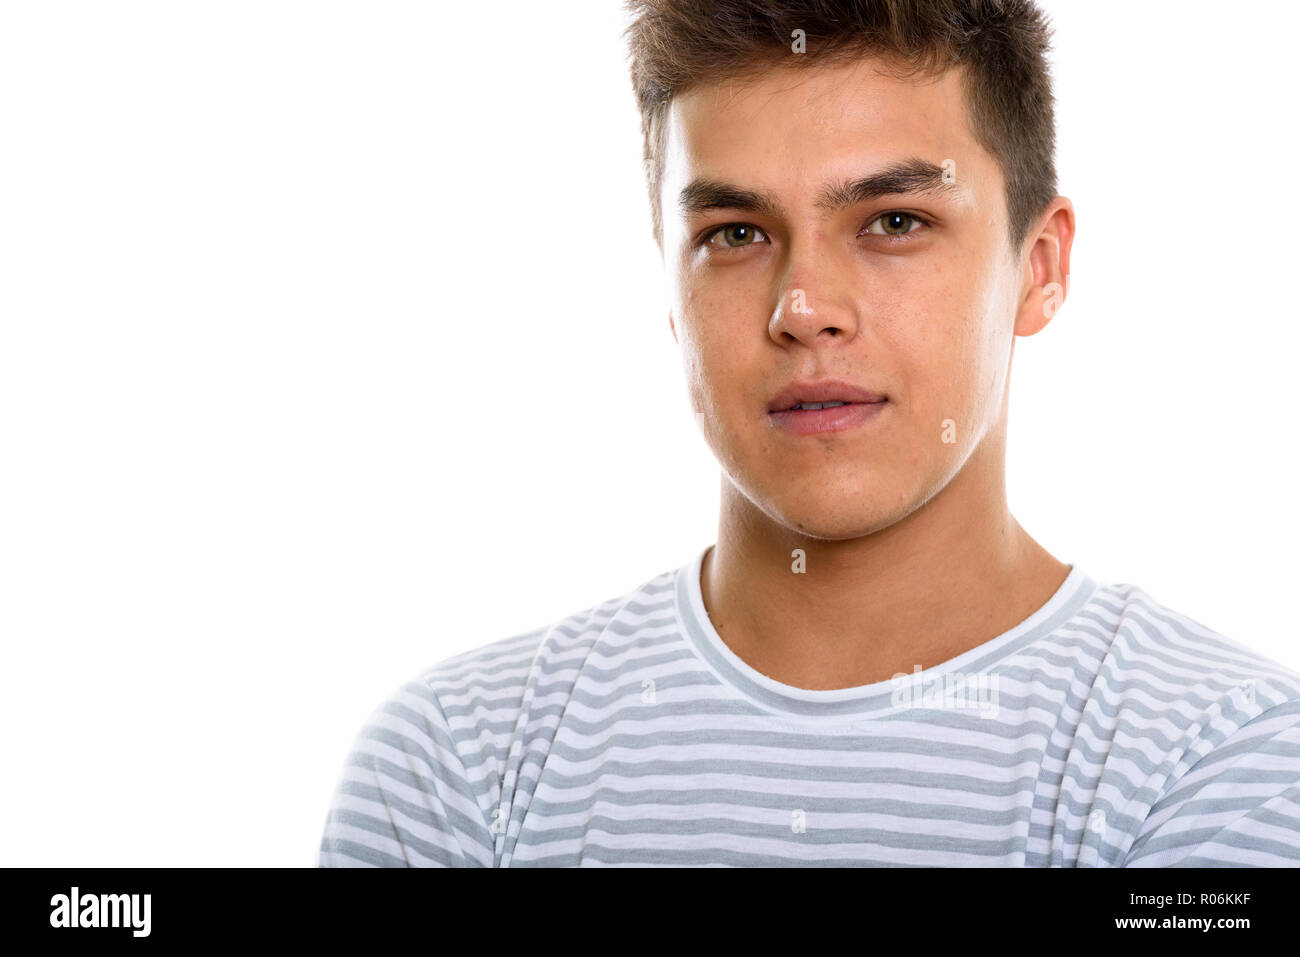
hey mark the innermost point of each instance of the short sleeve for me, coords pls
(403, 798)
(1238, 806)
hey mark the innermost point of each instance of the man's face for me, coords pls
(917, 305)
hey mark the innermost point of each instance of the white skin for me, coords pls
(912, 556)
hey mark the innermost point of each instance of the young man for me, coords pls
(874, 664)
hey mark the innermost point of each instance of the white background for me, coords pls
(333, 342)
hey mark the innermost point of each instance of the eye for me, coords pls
(895, 223)
(735, 235)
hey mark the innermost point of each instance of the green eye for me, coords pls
(894, 223)
(736, 234)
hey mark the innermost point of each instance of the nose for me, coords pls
(814, 301)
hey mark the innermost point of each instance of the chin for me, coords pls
(837, 517)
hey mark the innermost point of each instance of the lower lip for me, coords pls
(837, 418)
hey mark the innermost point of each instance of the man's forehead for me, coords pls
(859, 93)
(815, 124)
(800, 113)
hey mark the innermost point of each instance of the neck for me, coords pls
(951, 575)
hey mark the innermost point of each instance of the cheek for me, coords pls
(719, 333)
(942, 349)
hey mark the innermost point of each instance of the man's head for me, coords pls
(862, 192)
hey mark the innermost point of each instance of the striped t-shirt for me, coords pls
(1104, 730)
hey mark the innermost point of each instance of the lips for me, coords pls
(800, 408)
(824, 390)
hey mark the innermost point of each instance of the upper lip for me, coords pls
(823, 390)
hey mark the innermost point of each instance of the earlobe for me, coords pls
(1040, 304)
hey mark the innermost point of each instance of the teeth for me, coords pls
(818, 405)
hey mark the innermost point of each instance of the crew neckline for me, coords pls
(844, 704)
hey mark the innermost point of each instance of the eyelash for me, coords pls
(706, 239)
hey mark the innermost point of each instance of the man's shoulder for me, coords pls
(1164, 693)
(1166, 652)
(1205, 736)
(498, 674)
(428, 772)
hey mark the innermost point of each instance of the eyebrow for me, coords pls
(907, 177)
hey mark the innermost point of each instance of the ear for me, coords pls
(671, 326)
(1046, 277)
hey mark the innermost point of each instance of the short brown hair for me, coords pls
(1003, 44)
